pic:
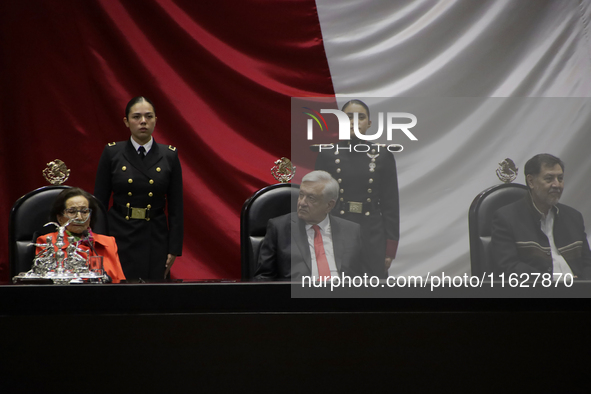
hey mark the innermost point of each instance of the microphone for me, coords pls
(87, 237)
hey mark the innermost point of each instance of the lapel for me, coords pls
(144, 165)
(300, 239)
(153, 156)
(337, 235)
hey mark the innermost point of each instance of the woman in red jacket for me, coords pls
(77, 205)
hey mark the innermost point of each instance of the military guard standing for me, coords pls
(145, 179)
(368, 192)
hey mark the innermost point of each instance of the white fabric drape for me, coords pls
(449, 57)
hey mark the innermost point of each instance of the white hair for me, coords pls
(331, 186)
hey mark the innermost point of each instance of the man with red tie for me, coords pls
(311, 242)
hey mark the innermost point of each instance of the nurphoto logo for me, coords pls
(392, 123)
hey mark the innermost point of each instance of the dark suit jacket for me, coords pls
(279, 259)
(156, 181)
(519, 246)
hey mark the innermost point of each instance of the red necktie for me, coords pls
(321, 261)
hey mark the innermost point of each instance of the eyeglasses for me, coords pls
(73, 212)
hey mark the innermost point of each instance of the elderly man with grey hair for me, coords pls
(311, 242)
(538, 235)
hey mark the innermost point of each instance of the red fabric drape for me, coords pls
(220, 74)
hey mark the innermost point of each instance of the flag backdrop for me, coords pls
(221, 75)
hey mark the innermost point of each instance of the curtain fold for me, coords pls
(220, 75)
(440, 60)
(446, 48)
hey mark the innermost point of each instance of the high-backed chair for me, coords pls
(27, 217)
(265, 204)
(480, 222)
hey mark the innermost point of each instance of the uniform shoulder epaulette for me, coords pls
(172, 148)
(111, 144)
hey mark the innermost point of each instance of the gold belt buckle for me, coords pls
(138, 213)
(355, 207)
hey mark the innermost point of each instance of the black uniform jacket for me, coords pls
(282, 260)
(155, 182)
(369, 181)
(520, 246)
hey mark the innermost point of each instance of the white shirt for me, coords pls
(326, 232)
(147, 146)
(559, 263)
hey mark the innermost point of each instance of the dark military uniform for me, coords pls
(368, 195)
(142, 190)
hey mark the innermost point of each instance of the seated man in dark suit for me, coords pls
(537, 234)
(311, 242)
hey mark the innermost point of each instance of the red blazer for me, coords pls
(105, 246)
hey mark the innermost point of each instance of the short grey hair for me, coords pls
(331, 186)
